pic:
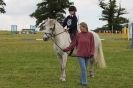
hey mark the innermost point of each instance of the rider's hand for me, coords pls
(66, 30)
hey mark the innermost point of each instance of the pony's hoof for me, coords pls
(63, 79)
(92, 76)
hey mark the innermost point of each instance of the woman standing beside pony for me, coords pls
(84, 42)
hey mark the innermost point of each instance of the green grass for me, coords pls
(27, 63)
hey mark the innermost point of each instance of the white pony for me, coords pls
(61, 40)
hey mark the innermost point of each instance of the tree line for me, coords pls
(56, 9)
(113, 15)
(2, 5)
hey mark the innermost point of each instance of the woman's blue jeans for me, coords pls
(83, 65)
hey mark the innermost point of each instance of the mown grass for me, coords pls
(27, 63)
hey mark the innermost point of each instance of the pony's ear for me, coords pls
(48, 18)
(44, 21)
(55, 20)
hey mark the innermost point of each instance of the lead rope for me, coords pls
(58, 45)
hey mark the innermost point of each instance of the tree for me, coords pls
(113, 15)
(119, 20)
(50, 8)
(2, 4)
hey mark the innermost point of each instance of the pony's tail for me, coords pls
(100, 58)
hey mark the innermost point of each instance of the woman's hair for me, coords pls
(83, 24)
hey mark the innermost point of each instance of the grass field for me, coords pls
(27, 63)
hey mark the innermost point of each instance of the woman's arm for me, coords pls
(72, 45)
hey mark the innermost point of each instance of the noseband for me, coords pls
(52, 34)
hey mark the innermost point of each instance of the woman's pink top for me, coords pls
(84, 42)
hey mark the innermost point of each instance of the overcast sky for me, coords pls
(18, 11)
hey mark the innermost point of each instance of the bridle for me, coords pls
(52, 34)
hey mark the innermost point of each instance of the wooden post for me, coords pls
(132, 36)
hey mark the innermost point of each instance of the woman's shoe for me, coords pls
(84, 86)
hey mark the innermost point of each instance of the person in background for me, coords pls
(71, 22)
(84, 43)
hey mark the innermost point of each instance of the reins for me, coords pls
(56, 42)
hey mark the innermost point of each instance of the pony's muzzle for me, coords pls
(45, 39)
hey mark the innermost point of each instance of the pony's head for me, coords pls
(49, 28)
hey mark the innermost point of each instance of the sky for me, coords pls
(18, 11)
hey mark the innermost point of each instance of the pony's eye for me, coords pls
(51, 28)
(44, 28)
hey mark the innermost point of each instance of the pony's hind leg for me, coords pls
(92, 67)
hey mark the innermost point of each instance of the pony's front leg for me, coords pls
(60, 61)
(63, 67)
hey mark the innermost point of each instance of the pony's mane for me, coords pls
(53, 21)
(50, 22)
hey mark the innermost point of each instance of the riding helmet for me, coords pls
(72, 8)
